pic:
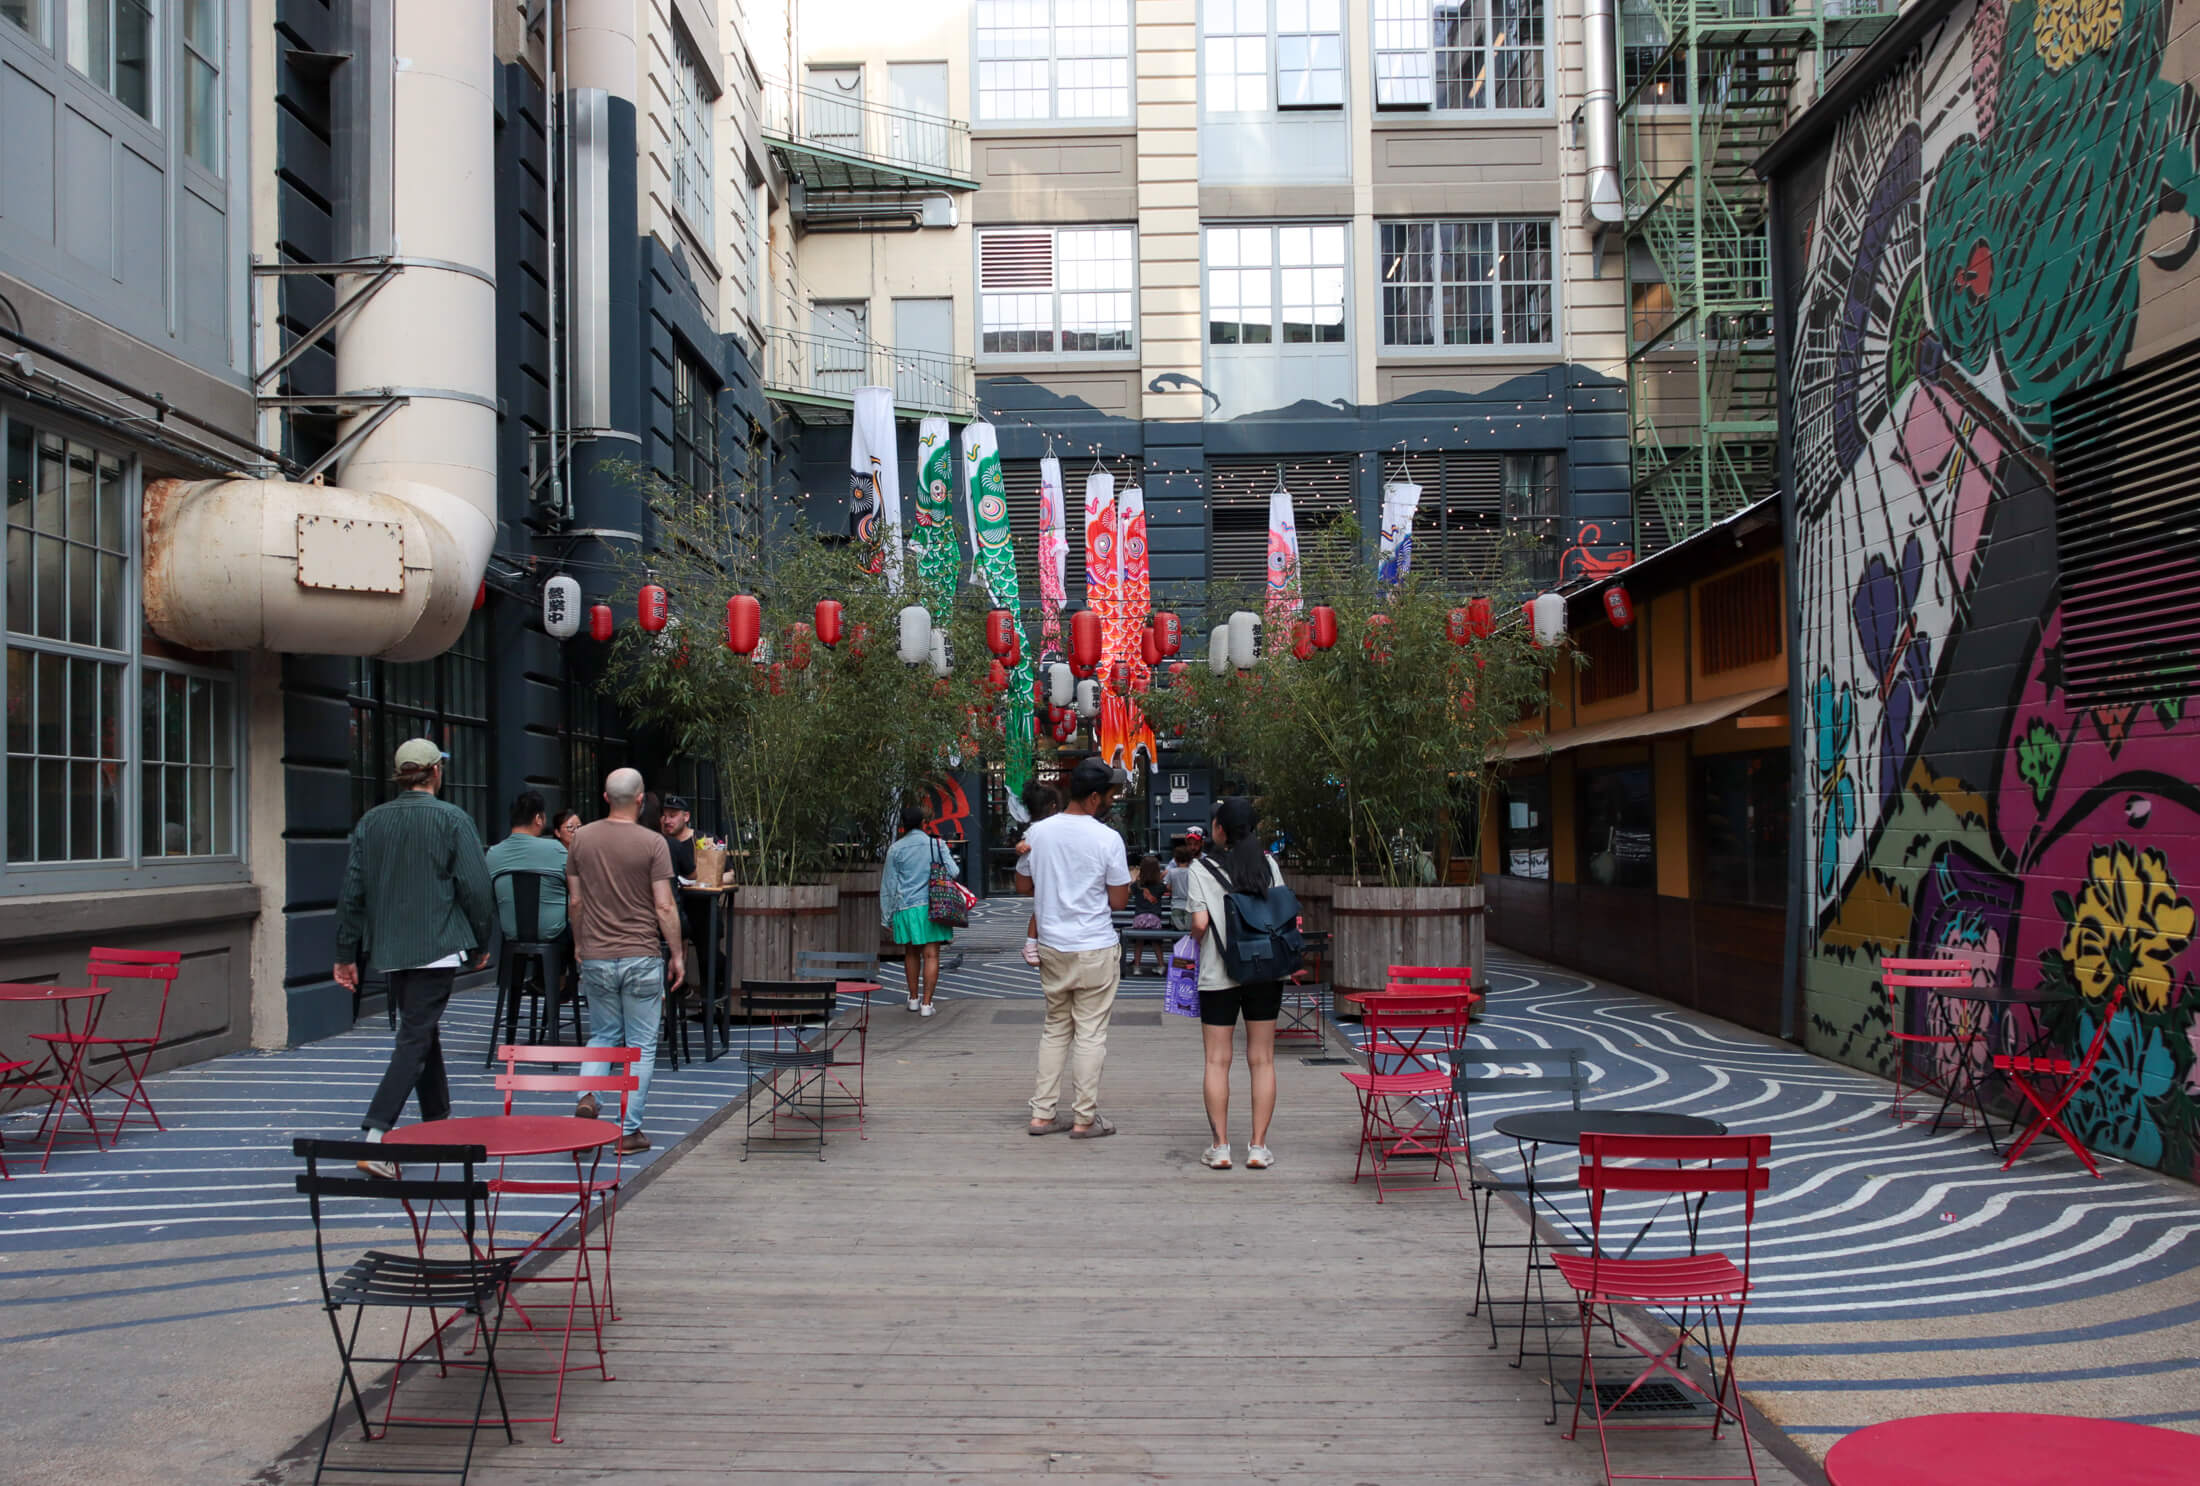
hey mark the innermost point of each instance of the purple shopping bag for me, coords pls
(1182, 996)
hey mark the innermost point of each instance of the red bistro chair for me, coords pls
(601, 1189)
(7, 1066)
(1712, 1282)
(1409, 1113)
(132, 1052)
(1924, 976)
(2048, 1083)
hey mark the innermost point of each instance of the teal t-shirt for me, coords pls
(518, 853)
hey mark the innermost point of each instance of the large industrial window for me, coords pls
(1460, 54)
(116, 44)
(1276, 285)
(1056, 60)
(1044, 290)
(1651, 75)
(691, 150)
(1616, 816)
(694, 428)
(445, 699)
(1261, 55)
(1481, 282)
(120, 749)
(1742, 820)
(1321, 487)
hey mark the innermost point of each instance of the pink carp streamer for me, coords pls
(1053, 559)
(1283, 569)
(1119, 590)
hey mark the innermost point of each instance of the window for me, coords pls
(29, 14)
(1742, 813)
(1479, 513)
(1650, 302)
(1614, 668)
(201, 82)
(105, 727)
(1459, 54)
(690, 144)
(1531, 514)
(1469, 283)
(1618, 827)
(694, 428)
(1322, 490)
(446, 699)
(113, 42)
(1275, 284)
(1238, 38)
(1053, 59)
(1740, 619)
(1643, 42)
(1524, 832)
(1042, 290)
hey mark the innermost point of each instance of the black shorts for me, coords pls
(1261, 1001)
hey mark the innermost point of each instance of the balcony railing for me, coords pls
(833, 142)
(823, 372)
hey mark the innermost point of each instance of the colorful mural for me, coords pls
(1974, 243)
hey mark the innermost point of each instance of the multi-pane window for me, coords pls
(200, 82)
(115, 43)
(1276, 284)
(690, 145)
(445, 699)
(29, 14)
(694, 427)
(1468, 283)
(1303, 38)
(1043, 290)
(1053, 59)
(1460, 54)
(1651, 76)
(86, 781)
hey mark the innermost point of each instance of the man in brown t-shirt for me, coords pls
(618, 891)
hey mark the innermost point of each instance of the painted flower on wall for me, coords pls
(2114, 1111)
(2126, 927)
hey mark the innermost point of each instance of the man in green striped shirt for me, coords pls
(417, 905)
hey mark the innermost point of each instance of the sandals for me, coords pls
(1217, 1158)
(1060, 1122)
(1101, 1125)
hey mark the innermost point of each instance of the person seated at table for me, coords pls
(1149, 894)
(675, 820)
(532, 848)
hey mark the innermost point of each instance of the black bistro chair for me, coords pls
(532, 968)
(472, 1285)
(791, 1057)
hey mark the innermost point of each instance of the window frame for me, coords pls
(1534, 790)
(1438, 350)
(1588, 776)
(1052, 61)
(1272, 39)
(1376, 53)
(135, 654)
(40, 34)
(1276, 343)
(1128, 234)
(692, 192)
(212, 58)
(1700, 767)
(158, 61)
(371, 707)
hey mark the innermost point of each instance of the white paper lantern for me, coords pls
(916, 635)
(1218, 650)
(1244, 639)
(943, 653)
(1088, 698)
(561, 607)
(1061, 684)
(1550, 618)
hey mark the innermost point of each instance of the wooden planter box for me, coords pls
(771, 926)
(858, 931)
(1316, 892)
(1378, 927)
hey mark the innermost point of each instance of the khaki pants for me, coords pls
(1080, 991)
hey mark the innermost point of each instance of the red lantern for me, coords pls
(1458, 627)
(1374, 642)
(1065, 727)
(1000, 631)
(1149, 649)
(858, 636)
(1139, 683)
(1481, 619)
(1119, 679)
(1324, 622)
(827, 617)
(744, 623)
(600, 623)
(996, 678)
(1302, 639)
(651, 608)
(1176, 671)
(1168, 633)
(798, 646)
(1084, 640)
(481, 595)
(1619, 606)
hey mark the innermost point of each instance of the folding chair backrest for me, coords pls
(1417, 1024)
(163, 965)
(526, 902)
(1429, 978)
(1723, 1163)
(790, 1002)
(517, 1056)
(1572, 1081)
(813, 964)
(347, 1181)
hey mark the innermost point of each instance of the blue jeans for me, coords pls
(626, 1008)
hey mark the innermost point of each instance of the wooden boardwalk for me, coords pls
(952, 1300)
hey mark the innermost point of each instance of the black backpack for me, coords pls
(1262, 930)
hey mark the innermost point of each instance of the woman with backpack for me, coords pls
(1234, 862)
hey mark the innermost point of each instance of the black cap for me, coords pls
(1094, 775)
(675, 802)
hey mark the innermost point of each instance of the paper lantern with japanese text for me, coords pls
(561, 608)
(652, 608)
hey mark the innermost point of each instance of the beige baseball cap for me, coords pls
(419, 753)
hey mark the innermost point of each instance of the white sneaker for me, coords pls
(912, 1003)
(1258, 1158)
(927, 1009)
(1216, 1156)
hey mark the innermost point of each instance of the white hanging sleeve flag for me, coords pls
(874, 466)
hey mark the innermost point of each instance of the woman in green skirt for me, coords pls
(905, 903)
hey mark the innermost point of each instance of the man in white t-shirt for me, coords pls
(1076, 873)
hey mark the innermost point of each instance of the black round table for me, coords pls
(1567, 1126)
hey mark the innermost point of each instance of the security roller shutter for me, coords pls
(1237, 499)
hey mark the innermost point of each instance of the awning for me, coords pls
(1643, 724)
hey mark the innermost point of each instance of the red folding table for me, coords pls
(2012, 1450)
(59, 1073)
(507, 1137)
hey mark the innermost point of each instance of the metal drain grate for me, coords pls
(1654, 1397)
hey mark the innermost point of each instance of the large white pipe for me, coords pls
(388, 562)
(1600, 111)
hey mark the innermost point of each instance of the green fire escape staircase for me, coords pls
(1703, 402)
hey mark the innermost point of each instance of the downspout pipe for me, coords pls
(1600, 114)
(387, 561)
